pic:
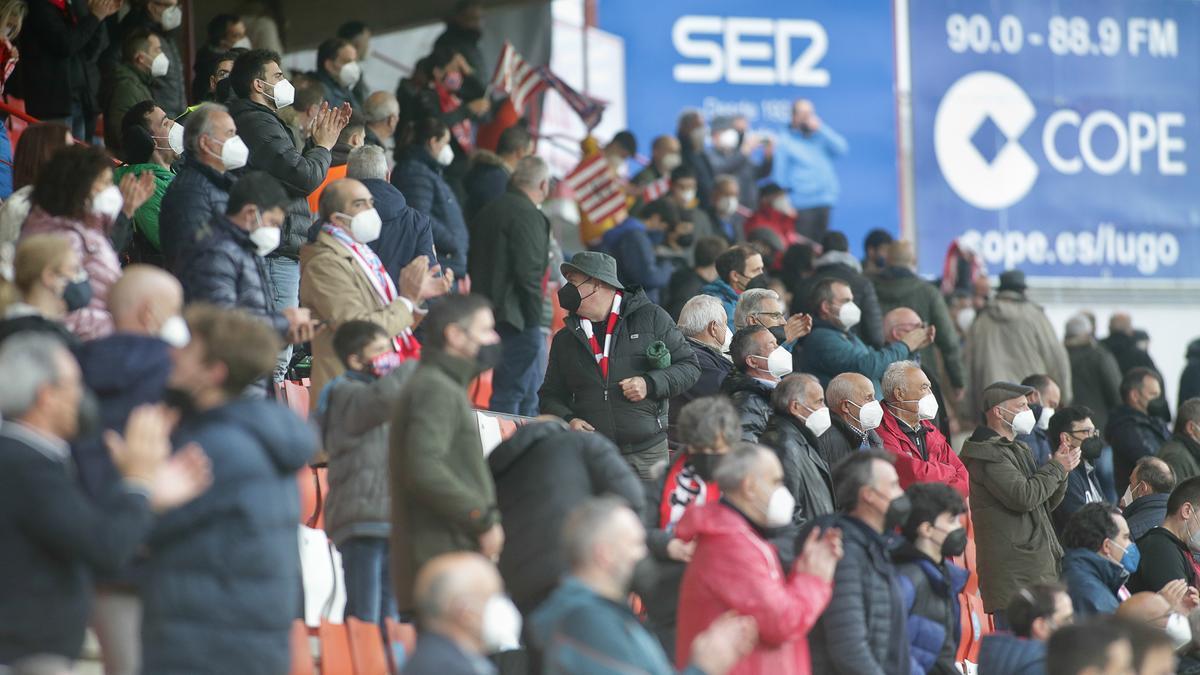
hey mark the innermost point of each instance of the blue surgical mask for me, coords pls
(1131, 557)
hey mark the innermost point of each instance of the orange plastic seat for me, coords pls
(366, 648)
(302, 656)
(402, 639)
(335, 649)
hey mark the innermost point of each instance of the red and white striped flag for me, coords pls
(656, 189)
(597, 190)
(515, 77)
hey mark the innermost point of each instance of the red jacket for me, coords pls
(734, 568)
(777, 221)
(943, 465)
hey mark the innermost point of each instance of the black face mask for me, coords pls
(897, 513)
(77, 294)
(779, 333)
(703, 465)
(181, 400)
(570, 299)
(759, 281)
(1091, 449)
(87, 417)
(489, 356)
(685, 240)
(955, 543)
(1159, 408)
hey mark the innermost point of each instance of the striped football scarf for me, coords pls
(601, 352)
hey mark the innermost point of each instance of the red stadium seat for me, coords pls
(335, 649)
(302, 656)
(366, 648)
(314, 485)
(481, 390)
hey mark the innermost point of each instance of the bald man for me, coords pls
(124, 370)
(855, 415)
(335, 284)
(455, 593)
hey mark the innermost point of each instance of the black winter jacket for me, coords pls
(864, 628)
(419, 177)
(1146, 513)
(198, 195)
(225, 271)
(273, 149)
(841, 439)
(714, 368)
(221, 590)
(405, 233)
(1189, 380)
(752, 400)
(574, 386)
(805, 473)
(1132, 435)
(1164, 558)
(59, 53)
(1095, 380)
(486, 180)
(543, 472)
(513, 237)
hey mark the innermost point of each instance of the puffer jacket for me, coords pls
(197, 196)
(1092, 582)
(842, 265)
(220, 592)
(841, 439)
(354, 416)
(574, 386)
(405, 233)
(930, 592)
(1133, 435)
(865, 629)
(752, 399)
(901, 287)
(805, 475)
(714, 368)
(1182, 454)
(273, 149)
(1011, 502)
(145, 219)
(225, 271)
(97, 257)
(1005, 654)
(419, 177)
(735, 569)
(486, 180)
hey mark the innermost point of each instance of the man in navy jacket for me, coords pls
(406, 232)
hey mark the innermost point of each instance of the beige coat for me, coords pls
(1010, 340)
(336, 289)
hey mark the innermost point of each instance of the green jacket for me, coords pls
(512, 237)
(129, 87)
(1182, 454)
(900, 287)
(145, 219)
(1011, 502)
(443, 497)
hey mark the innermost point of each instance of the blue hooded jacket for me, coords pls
(927, 634)
(1092, 582)
(721, 290)
(1005, 654)
(637, 265)
(406, 232)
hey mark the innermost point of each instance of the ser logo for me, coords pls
(750, 51)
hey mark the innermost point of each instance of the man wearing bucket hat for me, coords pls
(1012, 499)
(616, 363)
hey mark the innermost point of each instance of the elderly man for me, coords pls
(1158, 632)
(798, 420)
(337, 286)
(758, 364)
(863, 630)
(1011, 499)
(855, 415)
(404, 232)
(1132, 431)
(450, 590)
(587, 627)
(762, 307)
(733, 568)
(1043, 401)
(617, 362)
(705, 327)
(54, 535)
(512, 274)
(923, 455)
(200, 191)
(1094, 370)
(831, 349)
(382, 113)
(1145, 502)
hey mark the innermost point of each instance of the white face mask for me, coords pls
(243, 43)
(727, 206)
(869, 415)
(1043, 422)
(283, 93)
(779, 363)
(1179, 629)
(849, 315)
(445, 156)
(172, 17)
(1023, 422)
(175, 332)
(174, 138)
(966, 317)
(727, 341)
(1127, 498)
(782, 204)
(160, 65)
(727, 139)
(501, 625)
(670, 161)
(818, 421)
(927, 406)
(234, 153)
(265, 239)
(687, 196)
(350, 73)
(780, 507)
(108, 202)
(365, 226)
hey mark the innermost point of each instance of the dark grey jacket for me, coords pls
(196, 197)
(805, 473)
(752, 400)
(355, 413)
(841, 439)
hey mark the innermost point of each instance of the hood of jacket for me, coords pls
(946, 578)
(507, 453)
(838, 258)
(389, 202)
(1112, 575)
(612, 236)
(123, 361)
(288, 442)
(738, 381)
(718, 288)
(1005, 653)
(483, 158)
(1009, 307)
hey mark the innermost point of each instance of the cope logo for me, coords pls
(981, 102)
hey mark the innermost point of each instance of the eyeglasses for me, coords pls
(778, 316)
(1088, 433)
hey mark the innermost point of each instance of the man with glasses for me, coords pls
(1073, 427)
(762, 307)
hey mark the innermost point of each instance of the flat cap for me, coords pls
(999, 392)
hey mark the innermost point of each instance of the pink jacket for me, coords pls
(98, 258)
(733, 568)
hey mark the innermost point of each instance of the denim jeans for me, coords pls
(516, 381)
(285, 291)
(368, 587)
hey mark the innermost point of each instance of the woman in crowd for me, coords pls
(37, 145)
(418, 174)
(48, 281)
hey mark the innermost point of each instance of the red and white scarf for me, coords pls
(405, 343)
(448, 103)
(601, 351)
(681, 489)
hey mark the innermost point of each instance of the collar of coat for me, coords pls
(1111, 574)
(461, 371)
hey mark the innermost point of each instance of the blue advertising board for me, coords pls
(1059, 138)
(755, 58)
